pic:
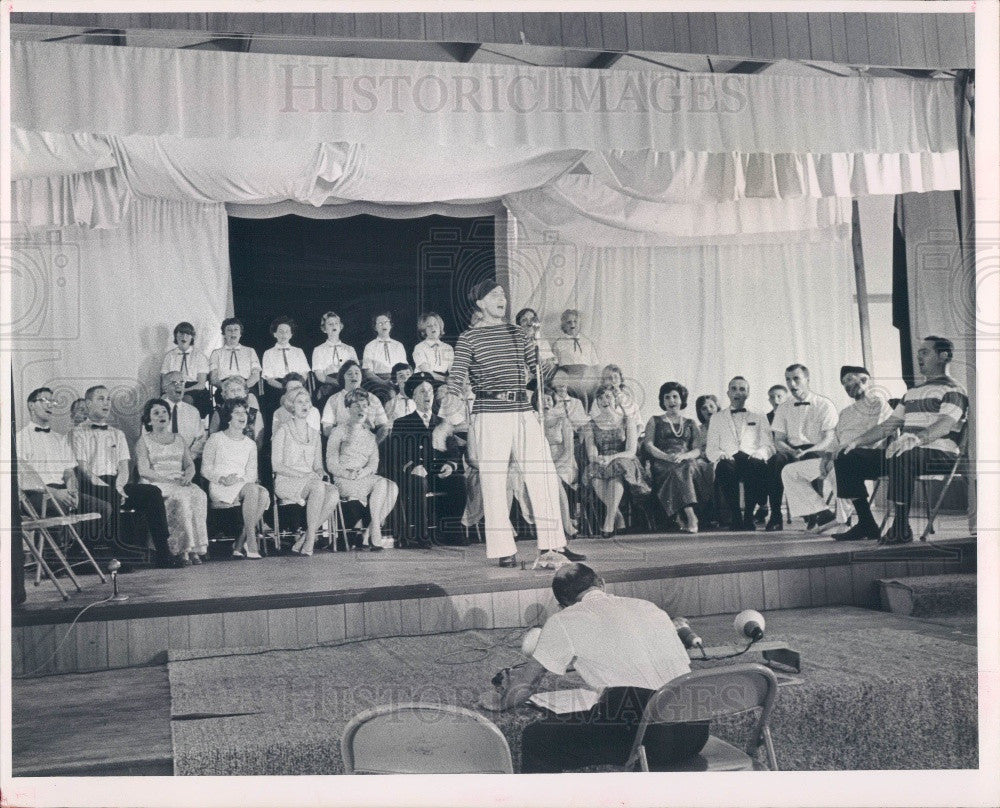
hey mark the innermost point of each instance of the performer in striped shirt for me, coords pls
(931, 418)
(497, 358)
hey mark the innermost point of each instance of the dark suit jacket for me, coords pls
(412, 446)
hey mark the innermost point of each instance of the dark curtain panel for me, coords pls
(17, 593)
(357, 267)
(901, 294)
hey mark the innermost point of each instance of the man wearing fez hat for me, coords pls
(498, 359)
(867, 410)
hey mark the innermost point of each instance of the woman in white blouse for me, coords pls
(229, 463)
(432, 355)
(336, 411)
(297, 461)
(279, 361)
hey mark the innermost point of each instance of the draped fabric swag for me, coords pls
(717, 194)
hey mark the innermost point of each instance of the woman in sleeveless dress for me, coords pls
(164, 461)
(682, 477)
(297, 460)
(229, 463)
(611, 443)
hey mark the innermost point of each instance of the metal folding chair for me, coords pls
(959, 468)
(37, 530)
(702, 696)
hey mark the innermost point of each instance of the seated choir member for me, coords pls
(192, 365)
(869, 409)
(233, 359)
(776, 394)
(739, 443)
(611, 443)
(803, 428)
(682, 478)
(328, 358)
(297, 462)
(931, 418)
(280, 360)
(576, 355)
(705, 406)
(612, 377)
(163, 460)
(571, 406)
(235, 388)
(380, 355)
(337, 412)
(284, 413)
(78, 411)
(230, 466)
(102, 458)
(432, 490)
(185, 420)
(432, 355)
(46, 468)
(352, 459)
(399, 404)
(528, 319)
(559, 434)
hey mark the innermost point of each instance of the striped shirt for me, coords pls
(495, 359)
(923, 405)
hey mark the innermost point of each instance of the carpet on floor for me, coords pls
(876, 691)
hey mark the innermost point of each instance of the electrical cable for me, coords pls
(65, 637)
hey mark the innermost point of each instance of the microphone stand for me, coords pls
(536, 331)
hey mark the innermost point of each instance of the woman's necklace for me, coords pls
(300, 435)
(680, 427)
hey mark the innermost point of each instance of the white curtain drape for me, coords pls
(97, 306)
(699, 315)
(277, 97)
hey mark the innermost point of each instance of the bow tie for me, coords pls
(801, 403)
(99, 426)
(43, 429)
(741, 409)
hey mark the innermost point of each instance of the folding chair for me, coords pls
(959, 468)
(335, 525)
(223, 520)
(38, 536)
(702, 696)
(416, 738)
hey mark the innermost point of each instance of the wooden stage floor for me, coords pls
(291, 581)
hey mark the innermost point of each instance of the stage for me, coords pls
(287, 602)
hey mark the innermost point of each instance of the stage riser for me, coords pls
(103, 645)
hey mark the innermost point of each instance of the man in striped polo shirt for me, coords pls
(498, 360)
(931, 418)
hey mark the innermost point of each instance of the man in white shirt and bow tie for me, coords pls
(185, 420)
(739, 443)
(804, 428)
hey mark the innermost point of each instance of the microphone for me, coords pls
(686, 634)
(113, 566)
(750, 623)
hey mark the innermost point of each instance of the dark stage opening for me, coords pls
(358, 267)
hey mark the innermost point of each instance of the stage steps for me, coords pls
(930, 595)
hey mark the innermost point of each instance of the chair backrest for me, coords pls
(415, 738)
(707, 694)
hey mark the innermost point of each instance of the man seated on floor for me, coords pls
(739, 443)
(931, 419)
(803, 429)
(46, 466)
(103, 461)
(433, 493)
(625, 649)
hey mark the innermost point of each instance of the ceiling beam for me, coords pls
(748, 68)
(604, 60)
(108, 36)
(231, 43)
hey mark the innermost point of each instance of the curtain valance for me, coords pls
(274, 97)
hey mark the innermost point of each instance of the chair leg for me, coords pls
(47, 538)
(932, 514)
(43, 566)
(643, 760)
(79, 541)
(772, 760)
